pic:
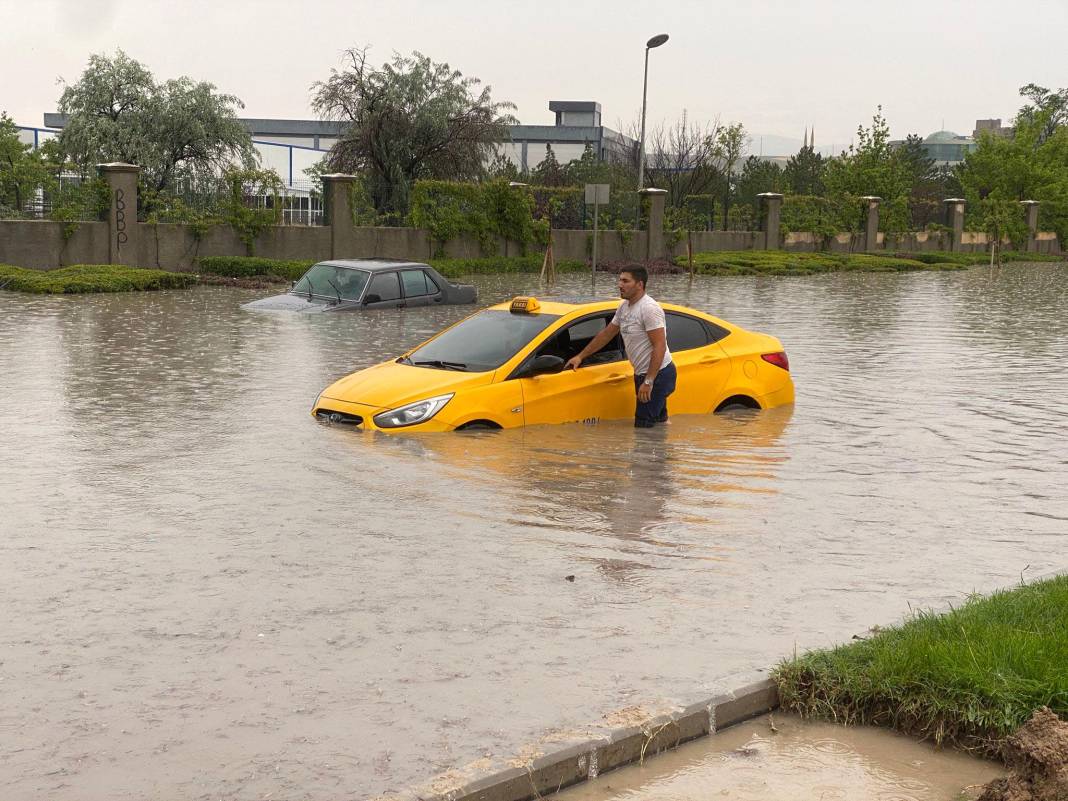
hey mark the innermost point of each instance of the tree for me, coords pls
(1047, 110)
(685, 160)
(758, 176)
(1025, 167)
(181, 129)
(411, 118)
(503, 167)
(22, 170)
(549, 172)
(730, 146)
(869, 167)
(913, 160)
(803, 174)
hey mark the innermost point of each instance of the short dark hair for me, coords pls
(638, 274)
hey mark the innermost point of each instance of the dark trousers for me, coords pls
(654, 411)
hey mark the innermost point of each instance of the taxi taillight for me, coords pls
(778, 358)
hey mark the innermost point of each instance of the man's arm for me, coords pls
(604, 336)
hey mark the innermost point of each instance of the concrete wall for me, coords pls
(39, 245)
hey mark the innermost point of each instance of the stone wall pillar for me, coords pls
(655, 248)
(337, 213)
(871, 226)
(955, 220)
(770, 214)
(123, 239)
(1031, 210)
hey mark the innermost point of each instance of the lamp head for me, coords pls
(657, 40)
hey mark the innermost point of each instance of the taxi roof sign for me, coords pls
(524, 305)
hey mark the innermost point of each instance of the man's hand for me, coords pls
(645, 391)
(573, 363)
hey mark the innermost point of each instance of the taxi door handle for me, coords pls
(711, 360)
(615, 378)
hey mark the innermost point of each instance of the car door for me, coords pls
(703, 366)
(383, 291)
(601, 389)
(419, 289)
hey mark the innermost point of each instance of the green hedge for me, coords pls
(450, 209)
(453, 268)
(250, 266)
(778, 262)
(84, 278)
(821, 216)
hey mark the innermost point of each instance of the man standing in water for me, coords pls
(644, 328)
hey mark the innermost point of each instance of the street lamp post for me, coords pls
(656, 41)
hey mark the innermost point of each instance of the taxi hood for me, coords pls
(391, 384)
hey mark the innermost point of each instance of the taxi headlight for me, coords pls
(418, 412)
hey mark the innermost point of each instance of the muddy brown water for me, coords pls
(206, 594)
(779, 758)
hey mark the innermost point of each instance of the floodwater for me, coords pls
(207, 594)
(779, 758)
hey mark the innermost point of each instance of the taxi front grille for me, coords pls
(332, 416)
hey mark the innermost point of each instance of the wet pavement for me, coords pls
(779, 758)
(209, 595)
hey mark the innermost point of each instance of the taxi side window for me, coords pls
(385, 285)
(685, 332)
(575, 337)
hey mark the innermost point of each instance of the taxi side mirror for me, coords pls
(372, 299)
(544, 364)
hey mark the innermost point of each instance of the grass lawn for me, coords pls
(778, 262)
(84, 278)
(968, 677)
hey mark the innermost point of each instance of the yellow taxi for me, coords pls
(503, 367)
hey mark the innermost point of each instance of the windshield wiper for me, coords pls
(442, 365)
(336, 290)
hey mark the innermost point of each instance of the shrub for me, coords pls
(450, 209)
(249, 266)
(778, 262)
(822, 216)
(85, 278)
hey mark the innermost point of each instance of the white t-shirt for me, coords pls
(633, 321)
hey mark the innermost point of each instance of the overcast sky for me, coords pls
(774, 66)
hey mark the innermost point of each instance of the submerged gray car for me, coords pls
(347, 284)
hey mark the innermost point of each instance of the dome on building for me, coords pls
(943, 138)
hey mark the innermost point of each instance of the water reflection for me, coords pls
(653, 487)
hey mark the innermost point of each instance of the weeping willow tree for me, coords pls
(409, 119)
(177, 130)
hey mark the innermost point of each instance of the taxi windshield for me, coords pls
(331, 281)
(482, 342)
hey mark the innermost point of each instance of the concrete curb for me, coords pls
(586, 760)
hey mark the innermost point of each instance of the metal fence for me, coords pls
(66, 197)
(299, 204)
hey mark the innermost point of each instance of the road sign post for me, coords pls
(596, 194)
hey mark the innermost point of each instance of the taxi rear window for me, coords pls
(485, 340)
